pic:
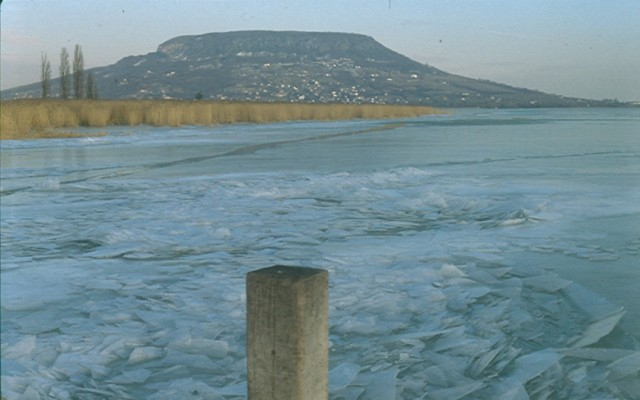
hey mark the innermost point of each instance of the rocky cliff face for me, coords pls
(296, 66)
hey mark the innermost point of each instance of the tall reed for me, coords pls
(30, 118)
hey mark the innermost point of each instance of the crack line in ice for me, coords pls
(240, 151)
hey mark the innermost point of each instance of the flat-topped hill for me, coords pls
(314, 67)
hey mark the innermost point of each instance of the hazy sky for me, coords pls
(582, 48)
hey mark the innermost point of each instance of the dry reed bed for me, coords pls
(23, 119)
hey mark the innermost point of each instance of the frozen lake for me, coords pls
(487, 254)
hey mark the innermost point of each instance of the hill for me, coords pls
(314, 67)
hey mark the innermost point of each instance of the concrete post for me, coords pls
(287, 334)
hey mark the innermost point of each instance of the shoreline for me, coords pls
(40, 118)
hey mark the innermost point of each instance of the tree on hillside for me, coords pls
(45, 75)
(78, 72)
(65, 71)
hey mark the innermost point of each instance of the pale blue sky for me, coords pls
(583, 48)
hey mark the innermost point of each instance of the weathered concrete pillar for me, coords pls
(287, 333)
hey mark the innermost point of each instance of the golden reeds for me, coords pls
(23, 119)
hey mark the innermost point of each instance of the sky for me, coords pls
(576, 48)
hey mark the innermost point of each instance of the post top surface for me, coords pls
(288, 272)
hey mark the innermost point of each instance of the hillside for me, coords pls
(310, 67)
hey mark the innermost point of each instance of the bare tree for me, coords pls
(45, 75)
(65, 71)
(92, 87)
(78, 72)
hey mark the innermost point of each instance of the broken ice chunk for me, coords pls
(597, 330)
(22, 349)
(589, 302)
(234, 389)
(482, 361)
(380, 385)
(342, 375)
(208, 347)
(515, 392)
(67, 364)
(532, 365)
(477, 292)
(510, 288)
(498, 272)
(625, 366)
(495, 312)
(348, 393)
(142, 354)
(451, 271)
(456, 392)
(135, 376)
(359, 324)
(29, 394)
(39, 322)
(481, 276)
(579, 374)
(461, 346)
(185, 388)
(547, 282)
(434, 376)
(103, 284)
(200, 361)
(590, 353)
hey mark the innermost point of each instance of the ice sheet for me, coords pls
(123, 261)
